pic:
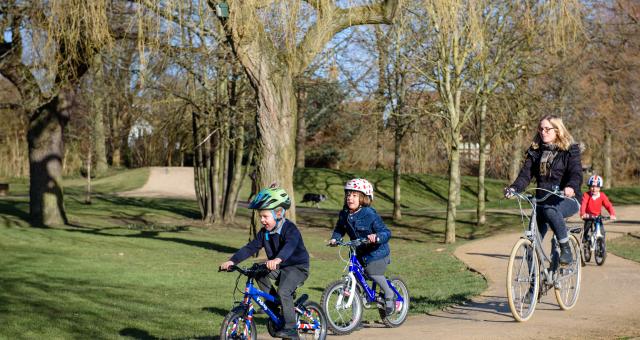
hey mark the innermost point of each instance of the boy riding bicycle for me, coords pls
(284, 247)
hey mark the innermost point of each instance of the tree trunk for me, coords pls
(482, 164)
(454, 180)
(46, 150)
(516, 156)
(98, 119)
(87, 197)
(607, 172)
(397, 214)
(276, 120)
(301, 135)
(381, 46)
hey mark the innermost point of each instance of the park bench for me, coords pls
(4, 189)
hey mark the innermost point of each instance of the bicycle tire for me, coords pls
(586, 250)
(400, 316)
(234, 326)
(568, 289)
(600, 251)
(315, 312)
(340, 320)
(523, 268)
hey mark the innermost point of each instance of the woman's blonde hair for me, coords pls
(563, 137)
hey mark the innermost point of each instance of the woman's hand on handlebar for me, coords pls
(226, 265)
(332, 242)
(569, 192)
(373, 238)
(509, 192)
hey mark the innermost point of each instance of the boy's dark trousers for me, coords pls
(287, 279)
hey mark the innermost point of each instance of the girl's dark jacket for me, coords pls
(358, 225)
(566, 171)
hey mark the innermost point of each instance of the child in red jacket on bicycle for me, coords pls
(593, 200)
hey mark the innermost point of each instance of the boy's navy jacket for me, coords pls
(287, 246)
(358, 225)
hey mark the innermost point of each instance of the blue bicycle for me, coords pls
(239, 323)
(343, 300)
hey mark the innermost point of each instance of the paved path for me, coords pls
(608, 306)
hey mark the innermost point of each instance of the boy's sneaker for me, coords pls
(290, 333)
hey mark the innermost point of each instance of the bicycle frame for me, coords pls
(533, 234)
(251, 293)
(357, 276)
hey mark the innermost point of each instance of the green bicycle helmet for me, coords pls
(270, 198)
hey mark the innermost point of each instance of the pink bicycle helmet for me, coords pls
(361, 185)
(595, 180)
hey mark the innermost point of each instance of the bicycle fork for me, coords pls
(349, 292)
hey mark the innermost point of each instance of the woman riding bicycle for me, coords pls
(554, 161)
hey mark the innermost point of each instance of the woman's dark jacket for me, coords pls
(358, 225)
(565, 171)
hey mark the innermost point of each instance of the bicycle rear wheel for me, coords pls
(523, 280)
(567, 281)
(341, 319)
(600, 251)
(399, 316)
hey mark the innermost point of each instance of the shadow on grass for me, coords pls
(141, 334)
(154, 236)
(13, 208)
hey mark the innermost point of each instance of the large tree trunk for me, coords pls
(482, 165)
(46, 150)
(397, 214)
(607, 172)
(276, 120)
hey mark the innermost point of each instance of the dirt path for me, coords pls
(174, 182)
(608, 306)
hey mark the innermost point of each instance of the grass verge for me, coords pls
(627, 246)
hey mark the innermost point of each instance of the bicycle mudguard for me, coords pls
(575, 230)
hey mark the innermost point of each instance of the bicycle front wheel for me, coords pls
(600, 251)
(312, 324)
(236, 326)
(523, 280)
(567, 281)
(341, 319)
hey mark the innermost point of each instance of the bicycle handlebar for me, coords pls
(352, 243)
(255, 269)
(593, 218)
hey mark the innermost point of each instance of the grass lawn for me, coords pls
(146, 268)
(627, 246)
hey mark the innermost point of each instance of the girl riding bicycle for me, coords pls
(359, 220)
(554, 161)
(284, 247)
